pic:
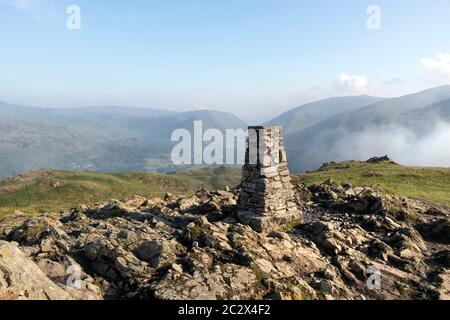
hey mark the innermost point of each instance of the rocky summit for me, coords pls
(354, 243)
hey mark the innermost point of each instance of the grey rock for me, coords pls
(21, 278)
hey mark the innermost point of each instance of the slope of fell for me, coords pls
(307, 115)
(431, 184)
(52, 190)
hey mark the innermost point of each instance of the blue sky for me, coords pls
(255, 58)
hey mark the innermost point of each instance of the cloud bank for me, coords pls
(402, 144)
(352, 82)
(438, 68)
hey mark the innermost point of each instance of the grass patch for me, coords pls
(431, 184)
(45, 191)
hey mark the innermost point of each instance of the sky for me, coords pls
(254, 58)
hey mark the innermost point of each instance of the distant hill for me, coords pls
(105, 123)
(105, 138)
(310, 114)
(401, 125)
(428, 116)
(432, 184)
(24, 146)
(53, 190)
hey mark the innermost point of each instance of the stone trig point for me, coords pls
(267, 200)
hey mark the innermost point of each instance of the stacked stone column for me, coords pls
(267, 200)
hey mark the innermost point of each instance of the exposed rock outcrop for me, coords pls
(355, 243)
(21, 278)
(384, 159)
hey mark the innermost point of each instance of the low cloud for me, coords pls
(438, 68)
(403, 145)
(352, 82)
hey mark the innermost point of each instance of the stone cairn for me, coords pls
(267, 199)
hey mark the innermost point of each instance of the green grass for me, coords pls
(52, 190)
(44, 191)
(211, 177)
(431, 184)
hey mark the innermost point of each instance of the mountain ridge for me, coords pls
(307, 115)
(120, 139)
(323, 142)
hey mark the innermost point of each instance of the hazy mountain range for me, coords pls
(413, 129)
(95, 138)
